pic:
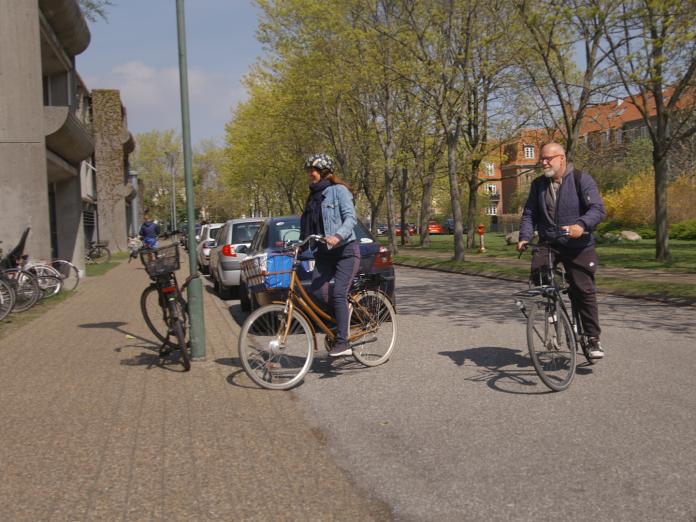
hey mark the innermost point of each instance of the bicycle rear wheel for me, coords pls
(551, 344)
(100, 255)
(267, 360)
(373, 326)
(7, 298)
(68, 272)
(26, 288)
(50, 285)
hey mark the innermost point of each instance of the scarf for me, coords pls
(311, 221)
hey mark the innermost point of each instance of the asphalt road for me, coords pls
(457, 426)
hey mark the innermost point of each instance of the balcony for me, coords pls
(66, 136)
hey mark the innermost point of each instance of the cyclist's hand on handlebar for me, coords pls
(574, 231)
(522, 246)
(332, 241)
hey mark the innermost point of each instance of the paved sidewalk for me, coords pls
(94, 428)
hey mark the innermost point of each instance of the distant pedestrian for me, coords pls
(149, 232)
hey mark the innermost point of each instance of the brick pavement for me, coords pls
(93, 428)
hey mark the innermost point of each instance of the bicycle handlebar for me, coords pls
(314, 237)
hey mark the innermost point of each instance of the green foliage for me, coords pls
(94, 9)
(683, 229)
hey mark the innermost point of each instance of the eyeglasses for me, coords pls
(549, 158)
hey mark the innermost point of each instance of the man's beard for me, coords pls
(549, 173)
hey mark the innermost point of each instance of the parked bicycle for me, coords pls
(24, 284)
(553, 334)
(162, 303)
(98, 253)
(278, 341)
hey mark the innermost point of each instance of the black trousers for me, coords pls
(340, 264)
(580, 266)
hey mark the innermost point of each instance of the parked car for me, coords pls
(397, 230)
(272, 238)
(448, 226)
(225, 254)
(207, 238)
(381, 229)
(434, 228)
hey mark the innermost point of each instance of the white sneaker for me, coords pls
(596, 351)
(341, 350)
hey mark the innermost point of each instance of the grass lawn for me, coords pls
(639, 254)
(14, 321)
(97, 270)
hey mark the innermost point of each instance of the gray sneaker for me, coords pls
(596, 351)
(341, 350)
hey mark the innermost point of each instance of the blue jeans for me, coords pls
(340, 264)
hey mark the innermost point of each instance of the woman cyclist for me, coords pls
(330, 212)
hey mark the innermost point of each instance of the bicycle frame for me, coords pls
(298, 297)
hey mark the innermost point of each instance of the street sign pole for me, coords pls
(195, 289)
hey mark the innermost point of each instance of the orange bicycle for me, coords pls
(278, 341)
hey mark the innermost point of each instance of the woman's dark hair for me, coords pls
(334, 179)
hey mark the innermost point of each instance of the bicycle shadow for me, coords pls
(324, 367)
(149, 360)
(502, 369)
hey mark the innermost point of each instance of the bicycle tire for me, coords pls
(26, 288)
(7, 299)
(179, 328)
(155, 312)
(100, 255)
(265, 361)
(50, 285)
(551, 344)
(68, 272)
(373, 315)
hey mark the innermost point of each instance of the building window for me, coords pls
(489, 169)
(491, 189)
(492, 210)
(529, 152)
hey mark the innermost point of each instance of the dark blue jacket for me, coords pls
(569, 211)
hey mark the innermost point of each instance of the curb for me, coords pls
(674, 301)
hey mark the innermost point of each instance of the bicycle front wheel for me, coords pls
(26, 288)
(551, 344)
(372, 328)
(68, 273)
(7, 299)
(50, 285)
(100, 255)
(270, 358)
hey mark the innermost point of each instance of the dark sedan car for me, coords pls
(276, 232)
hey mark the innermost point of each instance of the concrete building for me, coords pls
(48, 168)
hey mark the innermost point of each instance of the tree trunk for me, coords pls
(426, 200)
(405, 200)
(454, 196)
(473, 204)
(661, 229)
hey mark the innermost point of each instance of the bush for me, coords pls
(645, 232)
(683, 230)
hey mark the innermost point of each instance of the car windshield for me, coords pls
(244, 232)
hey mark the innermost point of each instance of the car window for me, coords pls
(244, 232)
(283, 231)
(214, 232)
(260, 239)
(362, 233)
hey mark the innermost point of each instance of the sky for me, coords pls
(136, 52)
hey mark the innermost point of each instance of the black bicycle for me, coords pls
(162, 303)
(553, 335)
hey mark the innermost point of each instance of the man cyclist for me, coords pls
(149, 231)
(564, 206)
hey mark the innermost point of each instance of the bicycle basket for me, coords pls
(264, 272)
(161, 261)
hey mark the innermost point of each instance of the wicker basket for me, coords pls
(265, 272)
(161, 261)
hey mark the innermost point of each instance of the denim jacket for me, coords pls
(338, 213)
